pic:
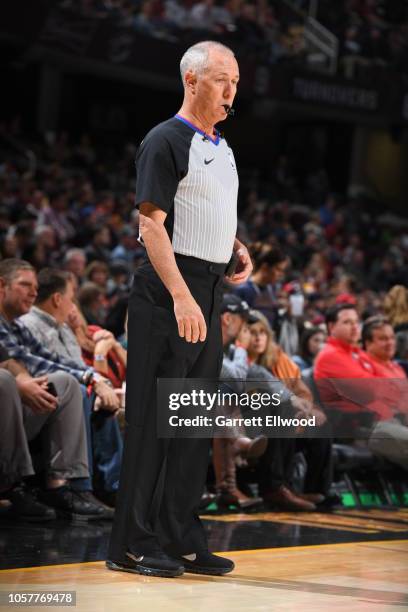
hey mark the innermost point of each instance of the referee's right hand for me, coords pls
(190, 320)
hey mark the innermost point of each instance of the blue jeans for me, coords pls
(105, 446)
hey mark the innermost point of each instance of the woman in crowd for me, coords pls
(396, 309)
(277, 464)
(92, 301)
(311, 342)
(266, 352)
(261, 290)
(100, 349)
(98, 272)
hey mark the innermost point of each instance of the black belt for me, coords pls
(194, 263)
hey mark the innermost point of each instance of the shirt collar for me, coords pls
(46, 317)
(350, 348)
(215, 138)
(385, 364)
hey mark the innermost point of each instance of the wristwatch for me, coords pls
(87, 377)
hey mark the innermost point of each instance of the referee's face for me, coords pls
(218, 85)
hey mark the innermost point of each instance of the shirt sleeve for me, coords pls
(236, 367)
(157, 172)
(37, 359)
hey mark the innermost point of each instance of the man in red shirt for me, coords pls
(350, 381)
(389, 438)
(380, 344)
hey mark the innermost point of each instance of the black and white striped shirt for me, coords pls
(193, 178)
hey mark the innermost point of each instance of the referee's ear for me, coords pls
(190, 81)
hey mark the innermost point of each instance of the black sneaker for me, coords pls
(159, 564)
(107, 497)
(74, 505)
(27, 507)
(107, 512)
(206, 563)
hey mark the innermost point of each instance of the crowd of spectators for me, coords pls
(370, 32)
(70, 217)
(374, 31)
(267, 29)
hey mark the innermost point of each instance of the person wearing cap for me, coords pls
(186, 190)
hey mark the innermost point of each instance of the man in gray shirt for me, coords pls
(47, 322)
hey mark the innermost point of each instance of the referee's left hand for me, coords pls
(243, 269)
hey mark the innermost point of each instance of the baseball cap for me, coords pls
(232, 303)
(346, 298)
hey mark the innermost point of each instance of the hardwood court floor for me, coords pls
(343, 560)
(364, 576)
(28, 545)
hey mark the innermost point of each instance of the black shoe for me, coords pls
(74, 505)
(107, 512)
(27, 507)
(159, 564)
(330, 502)
(107, 497)
(206, 563)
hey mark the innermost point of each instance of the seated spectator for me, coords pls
(175, 12)
(261, 290)
(47, 321)
(36, 254)
(79, 327)
(91, 299)
(127, 248)
(396, 309)
(150, 21)
(75, 262)
(18, 291)
(266, 352)
(379, 341)
(204, 16)
(29, 408)
(99, 247)
(288, 323)
(98, 272)
(56, 215)
(350, 380)
(108, 358)
(277, 464)
(225, 450)
(118, 282)
(311, 342)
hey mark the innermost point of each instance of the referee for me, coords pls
(186, 189)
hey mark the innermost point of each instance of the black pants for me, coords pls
(162, 479)
(276, 465)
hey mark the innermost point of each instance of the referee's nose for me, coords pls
(229, 92)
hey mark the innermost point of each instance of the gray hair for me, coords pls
(73, 253)
(196, 58)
